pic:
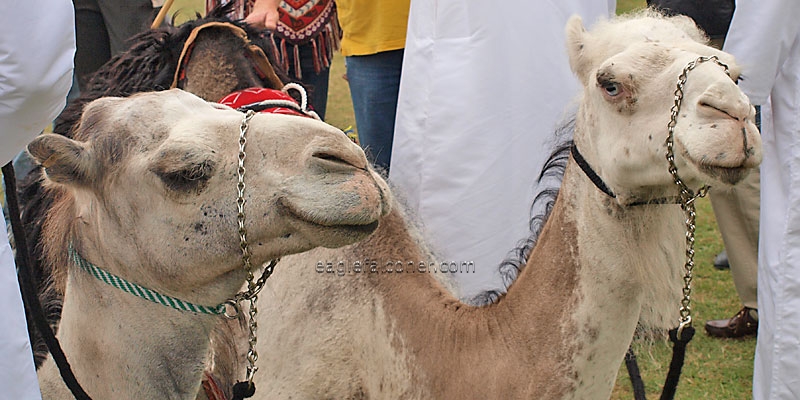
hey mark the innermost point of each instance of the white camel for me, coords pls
(601, 264)
(147, 192)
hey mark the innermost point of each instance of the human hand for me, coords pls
(264, 14)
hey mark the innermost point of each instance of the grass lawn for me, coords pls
(715, 369)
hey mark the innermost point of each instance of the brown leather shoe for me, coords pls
(740, 325)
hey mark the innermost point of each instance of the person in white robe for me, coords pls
(37, 45)
(764, 37)
(483, 88)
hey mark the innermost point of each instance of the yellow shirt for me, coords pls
(372, 26)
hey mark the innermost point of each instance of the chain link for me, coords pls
(253, 286)
(687, 196)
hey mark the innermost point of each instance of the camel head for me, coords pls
(151, 188)
(629, 68)
(219, 58)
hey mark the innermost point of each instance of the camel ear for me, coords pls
(65, 161)
(576, 41)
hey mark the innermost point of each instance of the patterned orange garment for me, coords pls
(301, 22)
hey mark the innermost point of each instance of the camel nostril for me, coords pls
(340, 161)
(724, 100)
(327, 156)
(721, 109)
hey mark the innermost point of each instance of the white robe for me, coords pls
(765, 39)
(484, 85)
(37, 45)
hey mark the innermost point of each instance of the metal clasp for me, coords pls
(232, 309)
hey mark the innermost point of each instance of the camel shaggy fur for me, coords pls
(147, 190)
(600, 266)
(219, 63)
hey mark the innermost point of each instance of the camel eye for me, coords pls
(191, 178)
(612, 89)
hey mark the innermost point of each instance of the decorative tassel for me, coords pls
(323, 50)
(284, 56)
(315, 57)
(324, 42)
(336, 34)
(275, 52)
(248, 8)
(297, 72)
(325, 45)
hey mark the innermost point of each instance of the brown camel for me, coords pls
(387, 329)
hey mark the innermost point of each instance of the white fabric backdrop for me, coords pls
(484, 85)
(37, 44)
(764, 37)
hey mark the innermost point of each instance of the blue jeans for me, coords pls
(374, 84)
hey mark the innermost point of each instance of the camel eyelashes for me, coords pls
(189, 179)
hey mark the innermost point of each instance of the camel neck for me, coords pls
(627, 268)
(570, 312)
(141, 291)
(434, 326)
(101, 332)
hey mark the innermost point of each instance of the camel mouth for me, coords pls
(347, 226)
(729, 175)
(719, 161)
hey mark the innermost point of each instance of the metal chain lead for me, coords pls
(687, 196)
(253, 286)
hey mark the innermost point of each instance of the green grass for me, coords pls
(624, 6)
(183, 10)
(340, 106)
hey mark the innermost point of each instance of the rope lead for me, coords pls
(29, 295)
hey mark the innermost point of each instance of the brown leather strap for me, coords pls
(211, 387)
(263, 65)
(259, 58)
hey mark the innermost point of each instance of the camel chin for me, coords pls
(334, 236)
